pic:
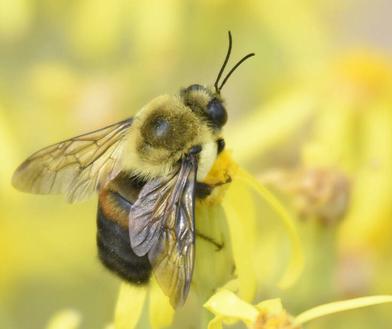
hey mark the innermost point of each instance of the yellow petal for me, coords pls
(240, 215)
(213, 265)
(296, 264)
(216, 323)
(161, 312)
(228, 305)
(129, 306)
(65, 319)
(336, 307)
(273, 306)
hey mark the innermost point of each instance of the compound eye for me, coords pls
(216, 113)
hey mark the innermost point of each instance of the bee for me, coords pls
(148, 170)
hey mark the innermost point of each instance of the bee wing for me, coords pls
(75, 167)
(161, 224)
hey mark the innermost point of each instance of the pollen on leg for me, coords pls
(221, 173)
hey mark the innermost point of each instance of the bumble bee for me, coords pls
(147, 170)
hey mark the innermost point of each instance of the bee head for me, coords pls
(207, 102)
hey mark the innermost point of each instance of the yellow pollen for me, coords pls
(222, 172)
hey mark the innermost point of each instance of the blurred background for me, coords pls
(310, 116)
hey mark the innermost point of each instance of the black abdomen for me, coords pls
(114, 249)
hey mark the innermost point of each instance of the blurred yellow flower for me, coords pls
(15, 19)
(8, 151)
(326, 146)
(321, 194)
(228, 308)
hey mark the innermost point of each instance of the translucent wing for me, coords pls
(75, 167)
(161, 224)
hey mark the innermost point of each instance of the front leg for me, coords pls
(203, 190)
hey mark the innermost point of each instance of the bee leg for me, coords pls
(218, 245)
(221, 145)
(203, 190)
(227, 181)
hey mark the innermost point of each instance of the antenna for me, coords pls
(224, 64)
(243, 59)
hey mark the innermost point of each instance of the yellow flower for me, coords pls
(226, 254)
(336, 130)
(228, 308)
(319, 193)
